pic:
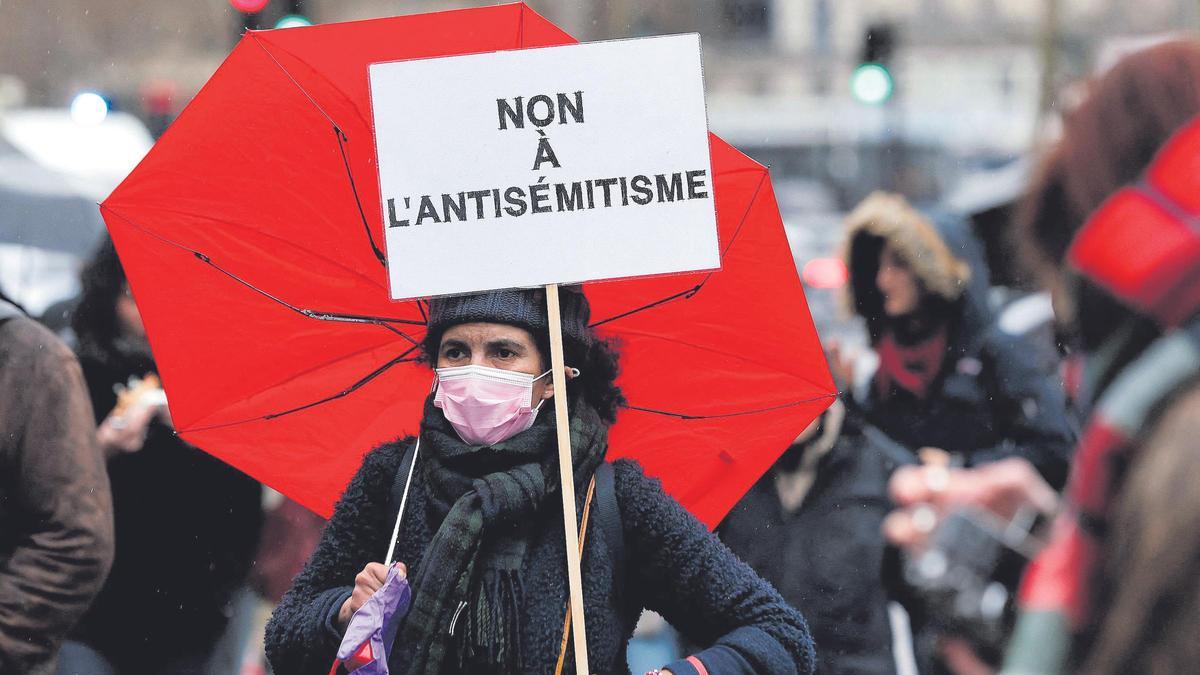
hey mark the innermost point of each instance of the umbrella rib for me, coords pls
(279, 65)
(341, 139)
(739, 413)
(402, 358)
(689, 293)
(384, 322)
(762, 179)
(363, 381)
(312, 313)
(233, 224)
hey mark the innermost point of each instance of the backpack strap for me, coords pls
(398, 498)
(601, 509)
(608, 519)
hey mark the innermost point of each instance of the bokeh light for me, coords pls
(89, 109)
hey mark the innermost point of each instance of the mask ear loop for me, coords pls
(538, 407)
(574, 374)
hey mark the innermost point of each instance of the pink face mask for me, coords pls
(486, 405)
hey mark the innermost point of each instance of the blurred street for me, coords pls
(934, 163)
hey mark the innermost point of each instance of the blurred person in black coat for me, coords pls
(811, 527)
(186, 523)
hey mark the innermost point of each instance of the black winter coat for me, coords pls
(827, 558)
(673, 565)
(990, 401)
(186, 526)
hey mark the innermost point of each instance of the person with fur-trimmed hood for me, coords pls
(947, 378)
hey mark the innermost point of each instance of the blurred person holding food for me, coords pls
(186, 524)
(954, 389)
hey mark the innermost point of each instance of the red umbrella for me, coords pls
(251, 237)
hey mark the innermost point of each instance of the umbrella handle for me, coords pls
(387, 560)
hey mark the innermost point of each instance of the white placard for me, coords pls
(549, 165)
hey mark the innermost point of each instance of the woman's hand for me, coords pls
(369, 580)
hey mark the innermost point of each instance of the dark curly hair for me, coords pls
(598, 361)
(94, 319)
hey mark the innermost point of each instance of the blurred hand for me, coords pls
(125, 432)
(369, 580)
(923, 494)
(961, 659)
(930, 456)
(164, 416)
(841, 362)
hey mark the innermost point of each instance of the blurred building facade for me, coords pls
(969, 74)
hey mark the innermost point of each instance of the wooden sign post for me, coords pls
(566, 474)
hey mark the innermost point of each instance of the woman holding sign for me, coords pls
(481, 540)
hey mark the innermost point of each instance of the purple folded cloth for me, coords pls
(363, 651)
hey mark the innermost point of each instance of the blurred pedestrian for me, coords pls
(1127, 539)
(949, 382)
(289, 536)
(186, 523)
(483, 533)
(811, 526)
(56, 533)
(1109, 227)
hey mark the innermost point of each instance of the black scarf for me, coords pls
(486, 497)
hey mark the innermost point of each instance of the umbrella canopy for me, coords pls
(251, 236)
(40, 207)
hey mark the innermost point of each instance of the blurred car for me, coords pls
(79, 161)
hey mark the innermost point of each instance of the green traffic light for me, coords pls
(871, 83)
(293, 21)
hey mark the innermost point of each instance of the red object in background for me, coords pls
(825, 273)
(1142, 244)
(244, 234)
(249, 6)
(158, 97)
